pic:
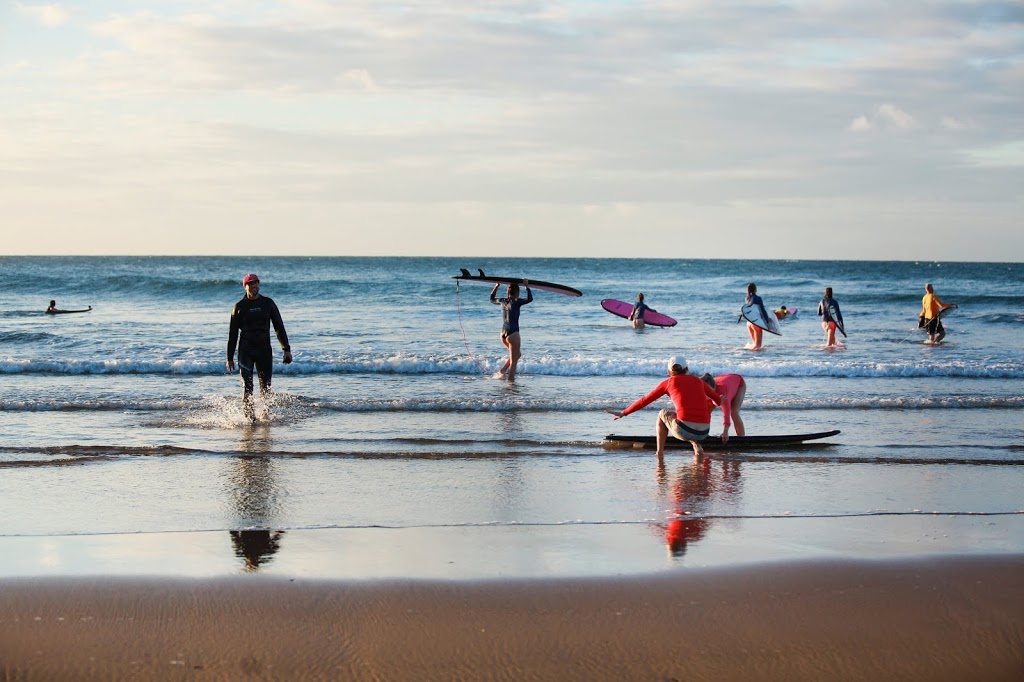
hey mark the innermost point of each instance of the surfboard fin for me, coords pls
(481, 272)
(465, 272)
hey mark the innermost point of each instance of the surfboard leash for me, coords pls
(465, 341)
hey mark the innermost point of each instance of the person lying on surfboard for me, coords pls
(54, 310)
(831, 318)
(510, 306)
(637, 316)
(733, 389)
(782, 313)
(691, 418)
(756, 333)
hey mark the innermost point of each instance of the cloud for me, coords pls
(885, 117)
(47, 15)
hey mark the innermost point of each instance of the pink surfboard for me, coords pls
(623, 309)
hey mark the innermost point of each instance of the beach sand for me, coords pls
(936, 618)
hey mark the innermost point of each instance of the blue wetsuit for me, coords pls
(510, 311)
(638, 311)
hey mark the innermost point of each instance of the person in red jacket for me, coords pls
(691, 418)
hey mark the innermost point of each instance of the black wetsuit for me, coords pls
(250, 329)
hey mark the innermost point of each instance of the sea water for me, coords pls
(123, 420)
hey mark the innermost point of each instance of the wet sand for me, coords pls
(938, 618)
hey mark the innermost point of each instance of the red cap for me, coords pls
(249, 279)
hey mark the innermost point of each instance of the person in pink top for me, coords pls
(691, 418)
(733, 389)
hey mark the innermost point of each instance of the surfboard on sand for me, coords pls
(623, 309)
(533, 283)
(617, 442)
(752, 314)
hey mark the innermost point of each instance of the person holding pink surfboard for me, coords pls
(637, 316)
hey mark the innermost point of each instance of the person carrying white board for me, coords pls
(831, 318)
(756, 333)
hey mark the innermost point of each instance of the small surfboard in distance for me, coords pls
(66, 312)
(834, 314)
(752, 314)
(614, 441)
(534, 283)
(623, 309)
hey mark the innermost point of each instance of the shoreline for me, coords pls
(940, 617)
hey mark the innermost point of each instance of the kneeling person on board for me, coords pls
(691, 419)
(251, 319)
(931, 307)
(733, 389)
(510, 306)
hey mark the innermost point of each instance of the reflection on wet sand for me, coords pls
(691, 491)
(255, 499)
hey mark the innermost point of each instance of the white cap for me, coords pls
(676, 360)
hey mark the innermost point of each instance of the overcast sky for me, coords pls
(801, 129)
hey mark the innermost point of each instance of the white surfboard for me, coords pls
(752, 314)
(834, 314)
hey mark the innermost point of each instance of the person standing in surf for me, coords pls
(831, 317)
(733, 389)
(510, 307)
(637, 315)
(756, 333)
(931, 309)
(251, 319)
(691, 418)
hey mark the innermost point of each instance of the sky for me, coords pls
(831, 129)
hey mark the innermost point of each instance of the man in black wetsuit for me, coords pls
(251, 317)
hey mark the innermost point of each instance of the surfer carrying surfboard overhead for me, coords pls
(251, 319)
(637, 316)
(931, 309)
(691, 418)
(831, 318)
(510, 306)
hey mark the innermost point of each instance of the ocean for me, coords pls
(123, 423)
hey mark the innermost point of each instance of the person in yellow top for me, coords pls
(931, 306)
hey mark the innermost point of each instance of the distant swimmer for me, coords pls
(931, 312)
(510, 307)
(782, 313)
(54, 310)
(831, 318)
(756, 333)
(733, 389)
(691, 418)
(251, 319)
(637, 316)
